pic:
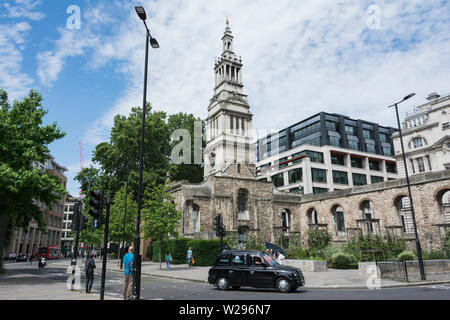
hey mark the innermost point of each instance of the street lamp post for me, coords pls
(419, 250)
(124, 222)
(137, 261)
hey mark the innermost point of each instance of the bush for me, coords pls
(406, 255)
(298, 253)
(330, 251)
(433, 255)
(113, 255)
(177, 248)
(205, 252)
(318, 241)
(343, 260)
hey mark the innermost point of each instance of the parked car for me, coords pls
(248, 268)
(11, 257)
(22, 258)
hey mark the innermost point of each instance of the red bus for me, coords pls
(50, 252)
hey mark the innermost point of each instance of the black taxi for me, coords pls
(248, 268)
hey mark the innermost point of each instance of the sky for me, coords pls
(86, 57)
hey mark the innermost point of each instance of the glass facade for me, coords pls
(319, 175)
(317, 190)
(359, 179)
(278, 180)
(337, 159)
(295, 175)
(375, 179)
(340, 177)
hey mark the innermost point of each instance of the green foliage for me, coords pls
(446, 241)
(254, 243)
(24, 140)
(434, 255)
(204, 251)
(160, 216)
(113, 255)
(231, 240)
(117, 214)
(406, 255)
(318, 240)
(298, 253)
(342, 260)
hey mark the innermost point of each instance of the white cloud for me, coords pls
(24, 9)
(301, 57)
(12, 79)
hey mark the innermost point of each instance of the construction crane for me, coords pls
(80, 145)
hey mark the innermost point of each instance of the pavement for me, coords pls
(331, 279)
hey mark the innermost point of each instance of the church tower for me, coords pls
(229, 121)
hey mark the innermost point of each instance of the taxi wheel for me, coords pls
(222, 283)
(283, 285)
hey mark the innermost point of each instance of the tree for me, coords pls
(160, 215)
(193, 172)
(116, 232)
(24, 141)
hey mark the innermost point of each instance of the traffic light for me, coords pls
(222, 231)
(83, 222)
(217, 224)
(96, 204)
(76, 217)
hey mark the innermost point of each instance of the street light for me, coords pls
(419, 250)
(137, 263)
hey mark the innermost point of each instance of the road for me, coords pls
(169, 289)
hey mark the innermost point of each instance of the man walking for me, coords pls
(128, 261)
(189, 257)
(89, 268)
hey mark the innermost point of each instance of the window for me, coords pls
(306, 131)
(339, 216)
(359, 179)
(337, 159)
(420, 164)
(334, 141)
(332, 126)
(223, 260)
(284, 164)
(368, 134)
(239, 260)
(353, 144)
(295, 175)
(242, 200)
(340, 177)
(351, 130)
(313, 155)
(195, 214)
(387, 151)
(375, 179)
(374, 165)
(370, 147)
(416, 143)
(384, 137)
(319, 175)
(317, 190)
(412, 165)
(278, 180)
(231, 123)
(391, 167)
(356, 162)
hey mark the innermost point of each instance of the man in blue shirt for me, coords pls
(128, 260)
(189, 257)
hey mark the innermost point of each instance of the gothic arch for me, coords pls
(312, 215)
(396, 196)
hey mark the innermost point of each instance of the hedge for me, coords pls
(204, 251)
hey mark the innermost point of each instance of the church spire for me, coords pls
(227, 38)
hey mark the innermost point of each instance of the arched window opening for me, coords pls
(242, 204)
(339, 220)
(286, 221)
(368, 213)
(195, 218)
(403, 206)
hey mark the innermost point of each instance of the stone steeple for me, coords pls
(229, 122)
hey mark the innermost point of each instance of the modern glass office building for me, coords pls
(327, 152)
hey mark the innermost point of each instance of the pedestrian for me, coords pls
(272, 253)
(189, 257)
(30, 259)
(280, 258)
(128, 261)
(168, 260)
(89, 268)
